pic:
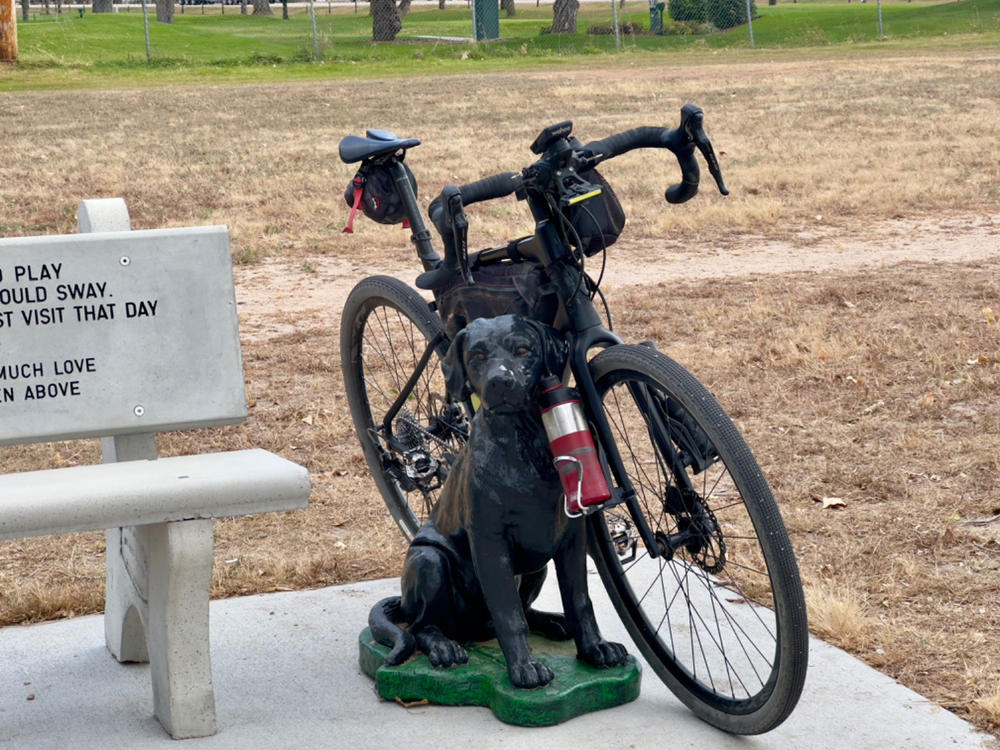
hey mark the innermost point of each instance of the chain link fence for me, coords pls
(484, 17)
(436, 22)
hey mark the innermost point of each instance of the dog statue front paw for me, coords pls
(530, 674)
(604, 654)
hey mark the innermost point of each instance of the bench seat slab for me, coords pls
(135, 493)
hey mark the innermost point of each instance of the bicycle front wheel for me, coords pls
(391, 345)
(719, 614)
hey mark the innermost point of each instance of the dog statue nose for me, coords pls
(501, 387)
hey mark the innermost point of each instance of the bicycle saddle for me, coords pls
(355, 148)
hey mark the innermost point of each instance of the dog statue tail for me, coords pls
(383, 620)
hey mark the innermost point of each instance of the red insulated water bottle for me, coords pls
(572, 446)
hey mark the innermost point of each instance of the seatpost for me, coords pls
(419, 234)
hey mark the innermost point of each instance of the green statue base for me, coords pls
(577, 688)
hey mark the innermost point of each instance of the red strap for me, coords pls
(359, 189)
(406, 223)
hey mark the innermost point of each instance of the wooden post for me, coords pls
(8, 31)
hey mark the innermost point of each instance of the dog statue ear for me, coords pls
(453, 367)
(554, 349)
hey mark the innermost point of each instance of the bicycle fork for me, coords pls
(609, 446)
(681, 498)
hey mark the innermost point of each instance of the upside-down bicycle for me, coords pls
(691, 546)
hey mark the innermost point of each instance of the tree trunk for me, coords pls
(46, 4)
(165, 11)
(403, 8)
(59, 7)
(243, 7)
(441, 4)
(564, 16)
(508, 7)
(102, 6)
(262, 8)
(8, 31)
(385, 20)
(24, 10)
(284, 10)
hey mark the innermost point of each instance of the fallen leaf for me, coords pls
(834, 502)
(412, 704)
(308, 419)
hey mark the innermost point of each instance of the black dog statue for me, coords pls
(476, 566)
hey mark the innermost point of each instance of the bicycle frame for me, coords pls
(585, 331)
(583, 328)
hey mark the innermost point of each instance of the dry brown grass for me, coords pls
(809, 146)
(878, 388)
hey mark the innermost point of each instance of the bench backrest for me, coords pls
(118, 333)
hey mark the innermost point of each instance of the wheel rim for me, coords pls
(414, 466)
(707, 615)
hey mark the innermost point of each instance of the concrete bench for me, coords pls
(121, 335)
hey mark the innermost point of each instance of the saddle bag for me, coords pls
(373, 190)
(499, 289)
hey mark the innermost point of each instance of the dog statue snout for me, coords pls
(502, 387)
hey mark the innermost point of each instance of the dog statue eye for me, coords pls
(522, 351)
(477, 356)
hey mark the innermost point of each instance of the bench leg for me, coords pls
(180, 574)
(125, 595)
(156, 610)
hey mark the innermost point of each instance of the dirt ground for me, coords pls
(319, 292)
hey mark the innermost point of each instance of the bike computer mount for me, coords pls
(550, 135)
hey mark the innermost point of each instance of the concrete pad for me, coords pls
(286, 675)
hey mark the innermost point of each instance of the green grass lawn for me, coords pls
(69, 50)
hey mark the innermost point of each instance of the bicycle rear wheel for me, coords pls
(720, 616)
(391, 345)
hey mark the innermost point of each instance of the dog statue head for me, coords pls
(502, 360)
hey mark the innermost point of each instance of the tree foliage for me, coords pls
(687, 10)
(723, 14)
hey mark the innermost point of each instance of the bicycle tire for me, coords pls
(385, 329)
(723, 623)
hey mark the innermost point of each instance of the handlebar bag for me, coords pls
(599, 221)
(499, 289)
